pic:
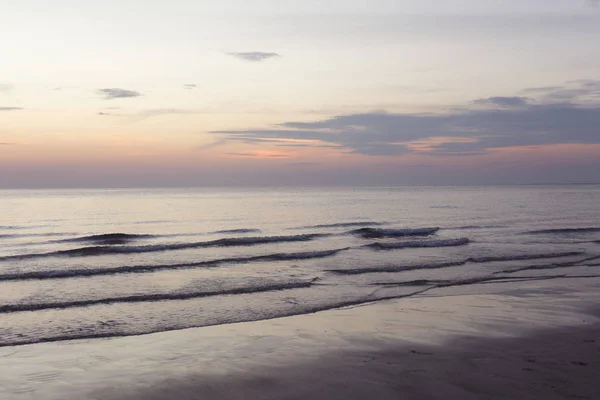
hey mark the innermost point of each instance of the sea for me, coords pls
(102, 263)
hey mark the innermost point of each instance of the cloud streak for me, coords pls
(10, 108)
(5, 88)
(149, 113)
(108, 114)
(575, 91)
(254, 56)
(503, 101)
(115, 93)
(503, 122)
(543, 89)
(212, 145)
(258, 155)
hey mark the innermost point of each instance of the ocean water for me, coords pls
(103, 263)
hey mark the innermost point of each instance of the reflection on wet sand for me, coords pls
(538, 341)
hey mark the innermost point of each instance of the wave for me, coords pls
(394, 268)
(496, 279)
(478, 280)
(416, 282)
(105, 250)
(109, 238)
(563, 231)
(375, 233)
(552, 266)
(299, 256)
(522, 257)
(239, 231)
(136, 269)
(473, 227)
(248, 317)
(344, 225)
(419, 244)
(12, 308)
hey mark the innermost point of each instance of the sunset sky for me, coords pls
(123, 93)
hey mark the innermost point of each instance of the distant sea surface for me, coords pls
(103, 263)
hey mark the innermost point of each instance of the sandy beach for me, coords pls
(541, 340)
(300, 200)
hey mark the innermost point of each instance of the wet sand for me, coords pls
(559, 365)
(540, 341)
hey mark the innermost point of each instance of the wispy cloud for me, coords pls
(6, 144)
(145, 114)
(5, 88)
(259, 155)
(312, 145)
(503, 122)
(190, 86)
(543, 89)
(109, 114)
(10, 108)
(503, 101)
(254, 56)
(114, 93)
(212, 145)
(573, 91)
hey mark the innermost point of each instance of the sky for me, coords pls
(154, 93)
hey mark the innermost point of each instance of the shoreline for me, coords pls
(461, 345)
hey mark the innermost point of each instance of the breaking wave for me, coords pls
(308, 309)
(110, 238)
(131, 269)
(248, 317)
(376, 233)
(239, 231)
(104, 250)
(524, 257)
(481, 260)
(12, 308)
(419, 244)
